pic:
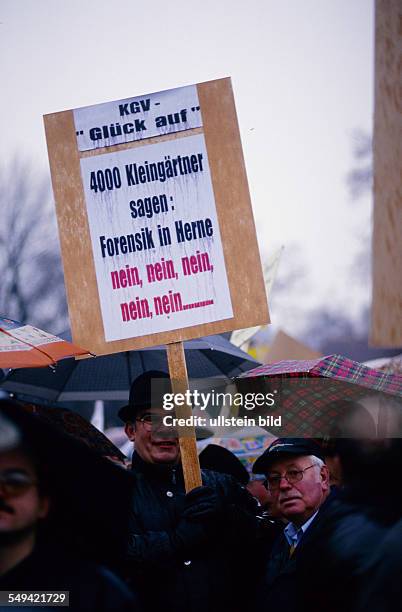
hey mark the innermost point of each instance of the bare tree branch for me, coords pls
(32, 288)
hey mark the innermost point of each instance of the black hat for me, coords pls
(146, 392)
(286, 446)
(220, 459)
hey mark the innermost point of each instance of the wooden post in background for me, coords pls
(386, 328)
(187, 440)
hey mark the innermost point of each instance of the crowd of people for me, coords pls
(318, 528)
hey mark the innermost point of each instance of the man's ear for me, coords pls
(129, 428)
(324, 472)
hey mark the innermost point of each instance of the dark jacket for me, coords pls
(338, 555)
(91, 587)
(382, 591)
(330, 566)
(280, 588)
(182, 565)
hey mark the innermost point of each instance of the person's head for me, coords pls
(220, 459)
(350, 420)
(143, 416)
(296, 477)
(152, 441)
(371, 470)
(267, 499)
(301, 483)
(23, 501)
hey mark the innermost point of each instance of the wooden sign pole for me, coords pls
(187, 440)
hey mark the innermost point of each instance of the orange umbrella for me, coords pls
(25, 346)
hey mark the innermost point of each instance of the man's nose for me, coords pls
(163, 432)
(283, 483)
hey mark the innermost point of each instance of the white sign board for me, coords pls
(155, 221)
(155, 238)
(156, 114)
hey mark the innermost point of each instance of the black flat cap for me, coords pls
(286, 446)
(146, 392)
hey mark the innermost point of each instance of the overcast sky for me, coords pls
(302, 73)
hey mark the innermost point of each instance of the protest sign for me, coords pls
(156, 228)
(155, 221)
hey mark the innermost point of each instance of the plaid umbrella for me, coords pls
(310, 394)
(335, 367)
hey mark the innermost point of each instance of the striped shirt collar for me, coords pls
(293, 534)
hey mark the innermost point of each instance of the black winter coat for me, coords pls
(330, 567)
(198, 567)
(281, 586)
(91, 587)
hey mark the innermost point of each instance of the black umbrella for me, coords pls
(109, 377)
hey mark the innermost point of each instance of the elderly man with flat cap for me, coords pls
(187, 552)
(298, 480)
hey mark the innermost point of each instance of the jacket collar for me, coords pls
(157, 471)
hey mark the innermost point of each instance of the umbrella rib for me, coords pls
(65, 381)
(142, 360)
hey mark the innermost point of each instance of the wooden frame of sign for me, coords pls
(237, 275)
(241, 255)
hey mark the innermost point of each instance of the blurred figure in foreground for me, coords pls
(31, 558)
(359, 549)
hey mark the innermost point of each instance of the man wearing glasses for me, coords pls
(30, 556)
(299, 480)
(22, 506)
(186, 551)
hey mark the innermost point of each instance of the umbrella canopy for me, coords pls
(109, 377)
(310, 395)
(335, 367)
(25, 346)
(73, 424)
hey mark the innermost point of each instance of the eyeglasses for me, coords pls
(15, 484)
(151, 422)
(272, 482)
